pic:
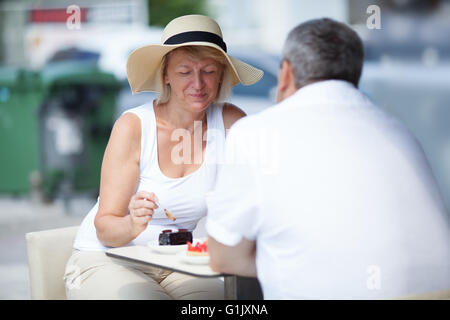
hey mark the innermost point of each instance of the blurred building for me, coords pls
(32, 31)
(265, 24)
(409, 29)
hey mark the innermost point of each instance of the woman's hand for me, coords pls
(141, 208)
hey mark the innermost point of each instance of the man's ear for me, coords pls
(286, 81)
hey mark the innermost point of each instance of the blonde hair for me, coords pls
(200, 52)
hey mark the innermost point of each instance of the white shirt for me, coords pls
(184, 197)
(338, 196)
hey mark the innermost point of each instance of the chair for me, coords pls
(48, 252)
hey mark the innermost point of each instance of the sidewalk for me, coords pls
(19, 216)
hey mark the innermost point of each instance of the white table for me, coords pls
(144, 255)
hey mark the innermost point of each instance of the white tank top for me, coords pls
(184, 197)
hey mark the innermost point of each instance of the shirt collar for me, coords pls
(326, 90)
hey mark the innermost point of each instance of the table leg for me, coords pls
(248, 289)
(230, 287)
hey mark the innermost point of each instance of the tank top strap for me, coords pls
(216, 133)
(148, 133)
(215, 118)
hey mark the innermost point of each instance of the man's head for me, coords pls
(320, 49)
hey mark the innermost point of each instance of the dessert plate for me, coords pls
(154, 246)
(192, 259)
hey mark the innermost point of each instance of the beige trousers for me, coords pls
(94, 275)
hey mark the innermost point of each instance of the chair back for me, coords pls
(48, 252)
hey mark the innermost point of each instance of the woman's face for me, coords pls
(194, 82)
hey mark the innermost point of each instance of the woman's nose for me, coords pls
(198, 80)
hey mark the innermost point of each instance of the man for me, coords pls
(325, 196)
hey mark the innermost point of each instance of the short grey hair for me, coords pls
(324, 49)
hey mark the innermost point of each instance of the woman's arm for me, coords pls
(119, 180)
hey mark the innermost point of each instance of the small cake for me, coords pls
(172, 238)
(200, 249)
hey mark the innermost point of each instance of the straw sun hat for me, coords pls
(144, 63)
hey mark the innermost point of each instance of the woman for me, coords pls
(164, 152)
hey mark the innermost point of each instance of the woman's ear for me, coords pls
(286, 81)
(166, 78)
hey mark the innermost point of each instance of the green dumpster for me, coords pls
(55, 125)
(20, 92)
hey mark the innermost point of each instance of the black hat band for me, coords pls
(193, 36)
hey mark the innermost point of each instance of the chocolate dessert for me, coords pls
(172, 238)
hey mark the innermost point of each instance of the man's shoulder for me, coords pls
(269, 115)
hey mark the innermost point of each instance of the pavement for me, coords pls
(19, 215)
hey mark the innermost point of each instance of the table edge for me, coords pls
(113, 255)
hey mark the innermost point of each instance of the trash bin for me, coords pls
(59, 135)
(20, 92)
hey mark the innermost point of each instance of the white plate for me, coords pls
(154, 245)
(193, 259)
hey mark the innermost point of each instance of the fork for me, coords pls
(167, 212)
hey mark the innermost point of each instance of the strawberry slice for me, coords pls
(199, 247)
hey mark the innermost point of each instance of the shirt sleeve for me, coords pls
(234, 202)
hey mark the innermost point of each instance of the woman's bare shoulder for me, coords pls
(127, 124)
(231, 114)
(126, 134)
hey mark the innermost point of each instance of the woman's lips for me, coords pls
(198, 95)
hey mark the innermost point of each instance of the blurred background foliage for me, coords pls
(161, 12)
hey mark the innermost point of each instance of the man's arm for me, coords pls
(239, 259)
(234, 217)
